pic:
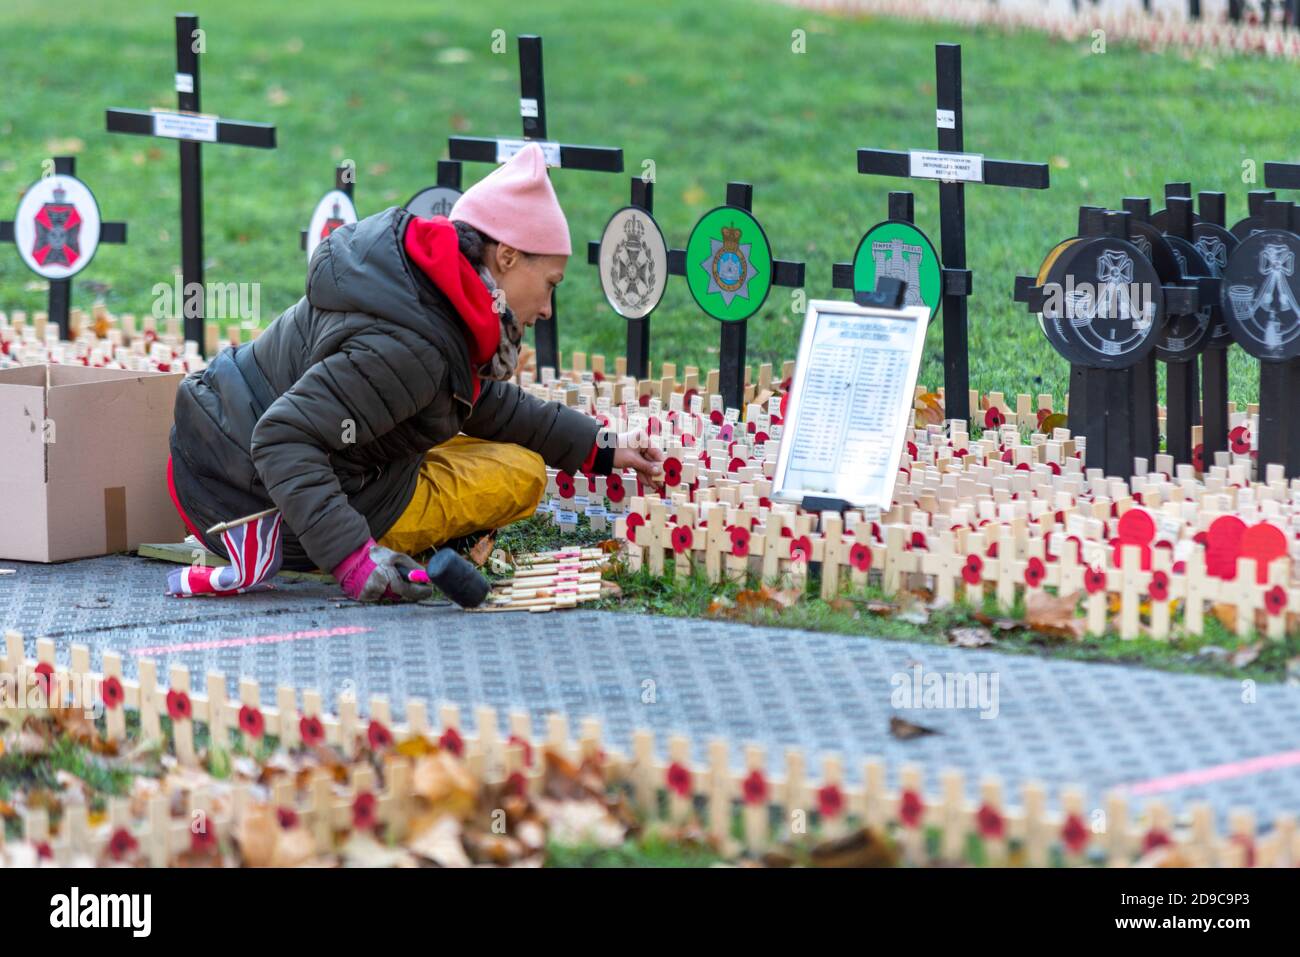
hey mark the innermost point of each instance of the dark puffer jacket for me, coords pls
(328, 414)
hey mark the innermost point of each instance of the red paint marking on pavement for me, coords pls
(1218, 772)
(252, 640)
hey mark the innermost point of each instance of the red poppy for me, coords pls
(972, 572)
(1155, 838)
(830, 800)
(991, 551)
(44, 852)
(378, 736)
(1159, 587)
(739, 540)
(178, 705)
(614, 487)
(112, 693)
(679, 780)
(860, 557)
(287, 817)
(682, 539)
(364, 808)
(1094, 580)
(911, 451)
(1042, 414)
(993, 418)
(764, 502)
(1198, 458)
(527, 748)
(1074, 834)
(564, 484)
(251, 721)
(672, 471)
(654, 427)
(311, 730)
(990, 823)
(634, 521)
(1275, 600)
(43, 675)
(716, 417)
(203, 840)
(760, 437)
(910, 808)
(736, 464)
(121, 844)
(785, 400)
(688, 440)
(800, 549)
(1240, 440)
(643, 400)
(918, 541)
(517, 784)
(452, 741)
(1035, 572)
(754, 788)
(687, 396)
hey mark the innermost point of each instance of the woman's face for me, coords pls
(527, 281)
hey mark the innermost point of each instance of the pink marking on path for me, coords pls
(1217, 772)
(252, 640)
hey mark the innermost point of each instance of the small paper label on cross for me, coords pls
(945, 119)
(185, 126)
(506, 149)
(946, 167)
(184, 82)
(528, 108)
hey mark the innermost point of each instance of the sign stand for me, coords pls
(60, 295)
(953, 169)
(192, 129)
(532, 111)
(437, 200)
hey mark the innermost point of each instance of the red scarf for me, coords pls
(433, 246)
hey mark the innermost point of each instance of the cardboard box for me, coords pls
(83, 461)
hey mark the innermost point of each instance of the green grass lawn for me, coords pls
(708, 92)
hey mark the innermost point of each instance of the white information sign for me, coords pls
(947, 167)
(851, 403)
(506, 149)
(185, 126)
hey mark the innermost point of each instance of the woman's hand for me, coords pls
(635, 451)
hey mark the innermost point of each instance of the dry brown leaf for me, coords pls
(1054, 615)
(1227, 615)
(998, 624)
(440, 842)
(862, 848)
(929, 410)
(906, 730)
(970, 637)
(445, 783)
(256, 834)
(479, 553)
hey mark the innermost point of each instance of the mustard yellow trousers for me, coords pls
(467, 485)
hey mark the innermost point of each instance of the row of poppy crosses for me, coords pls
(712, 792)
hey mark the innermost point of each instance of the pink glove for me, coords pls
(373, 572)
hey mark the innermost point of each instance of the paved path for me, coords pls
(1180, 736)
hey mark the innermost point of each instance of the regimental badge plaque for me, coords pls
(433, 201)
(896, 249)
(57, 226)
(633, 263)
(729, 264)
(335, 209)
(1260, 295)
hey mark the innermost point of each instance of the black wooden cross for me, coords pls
(953, 169)
(61, 289)
(532, 110)
(344, 182)
(192, 129)
(638, 330)
(735, 333)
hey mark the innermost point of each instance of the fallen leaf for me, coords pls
(906, 730)
(1227, 615)
(970, 637)
(912, 609)
(441, 780)
(441, 843)
(861, 848)
(362, 850)
(1054, 615)
(482, 549)
(1056, 420)
(999, 624)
